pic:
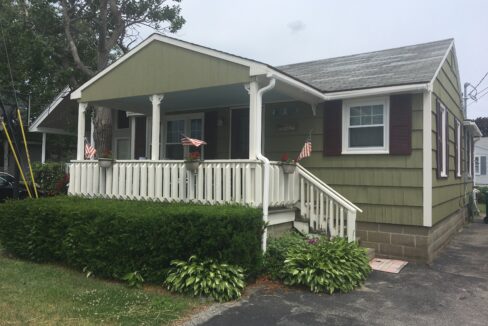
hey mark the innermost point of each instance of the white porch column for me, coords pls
(156, 125)
(43, 148)
(132, 120)
(81, 131)
(92, 131)
(253, 127)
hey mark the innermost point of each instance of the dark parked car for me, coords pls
(7, 182)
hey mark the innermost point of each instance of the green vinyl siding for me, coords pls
(448, 193)
(160, 68)
(387, 187)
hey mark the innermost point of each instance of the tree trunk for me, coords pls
(103, 131)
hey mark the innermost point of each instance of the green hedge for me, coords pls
(112, 238)
(51, 177)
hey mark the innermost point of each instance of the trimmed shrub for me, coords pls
(51, 177)
(326, 265)
(112, 238)
(222, 282)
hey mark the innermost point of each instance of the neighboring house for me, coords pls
(59, 118)
(391, 145)
(480, 155)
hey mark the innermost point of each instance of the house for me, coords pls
(480, 155)
(392, 159)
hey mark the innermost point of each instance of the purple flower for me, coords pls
(312, 241)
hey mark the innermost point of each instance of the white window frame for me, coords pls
(443, 141)
(459, 130)
(187, 118)
(469, 155)
(477, 169)
(346, 109)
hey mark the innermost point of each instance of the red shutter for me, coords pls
(438, 139)
(333, 128)
(401, 124)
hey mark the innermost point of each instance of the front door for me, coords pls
(239, 134)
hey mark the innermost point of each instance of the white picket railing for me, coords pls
(217, 181)
(327, 211)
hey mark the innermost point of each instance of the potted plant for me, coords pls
(287, 164)
(105, 160)
(192, 161)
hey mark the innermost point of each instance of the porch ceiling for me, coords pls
(212, 97)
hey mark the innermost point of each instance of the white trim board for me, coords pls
(427, 158)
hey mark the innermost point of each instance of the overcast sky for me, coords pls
(285, 31)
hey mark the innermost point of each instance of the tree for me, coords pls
(482, 123)
(114, 26)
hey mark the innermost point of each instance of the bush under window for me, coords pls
(111, 238)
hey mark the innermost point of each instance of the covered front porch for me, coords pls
(165, 88)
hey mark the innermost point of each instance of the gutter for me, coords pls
(262, 158)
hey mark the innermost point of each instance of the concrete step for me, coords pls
(370, 252)
(302, 227)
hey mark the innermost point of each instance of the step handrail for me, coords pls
(327, 189)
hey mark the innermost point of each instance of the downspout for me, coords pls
(262, 158)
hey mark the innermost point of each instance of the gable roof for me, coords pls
(412, 64)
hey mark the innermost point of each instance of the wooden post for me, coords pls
(156, 125)
(80, 150)
(43, 148)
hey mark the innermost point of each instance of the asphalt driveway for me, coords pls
(453, 291)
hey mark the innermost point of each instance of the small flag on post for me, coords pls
(306, 150)
(187, 141)
(90, 151)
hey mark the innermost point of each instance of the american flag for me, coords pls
(187, 141)
(90, 151)
(306, 150)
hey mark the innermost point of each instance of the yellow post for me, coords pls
(27, 153)
(16, 159)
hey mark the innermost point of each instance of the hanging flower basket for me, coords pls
(105, 162)
(192, 166)
(287, 165)
(288, 168)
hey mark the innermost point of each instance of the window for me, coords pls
(469, 154)
(176, 126)
(122, 120)
(365, 126)
(458, 148)
(477, 165)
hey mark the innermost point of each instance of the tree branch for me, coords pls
(71, 43)
(119, 26)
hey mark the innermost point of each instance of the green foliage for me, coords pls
(51, 177)
(112, 238)
(276, 252)
(222, 282)
(326, 266)
(134, 279)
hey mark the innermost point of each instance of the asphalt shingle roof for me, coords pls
(405, 65)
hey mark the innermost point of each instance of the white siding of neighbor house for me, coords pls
(481, 154)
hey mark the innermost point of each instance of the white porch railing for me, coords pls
(218, 182)
(327, 210)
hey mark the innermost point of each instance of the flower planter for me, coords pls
(105, 162)
(288, 168)
(192, 166)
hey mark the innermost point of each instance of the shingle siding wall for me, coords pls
(447, 193)
(387, 187)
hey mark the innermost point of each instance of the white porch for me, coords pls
(164, 77)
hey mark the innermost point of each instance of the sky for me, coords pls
(282, 32)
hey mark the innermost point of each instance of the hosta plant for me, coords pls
(326, 265)
(222, 282)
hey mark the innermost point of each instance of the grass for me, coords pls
(34, 294)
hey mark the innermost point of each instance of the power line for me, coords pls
(481, 80)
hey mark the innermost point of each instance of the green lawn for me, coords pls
(35, 294)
